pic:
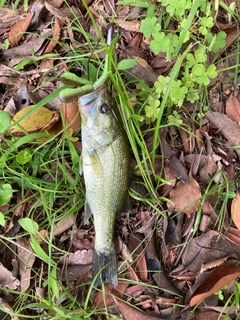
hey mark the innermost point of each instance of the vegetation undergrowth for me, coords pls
(36, 176)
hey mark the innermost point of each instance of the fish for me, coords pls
(105, 167)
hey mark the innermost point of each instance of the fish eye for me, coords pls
(104, 108)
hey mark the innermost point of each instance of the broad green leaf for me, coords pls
(126, 64)
(177, 92)
(24, 156)
(2, 219)
(6, 192)
(39, 251)
(29, 225)
(4, 121)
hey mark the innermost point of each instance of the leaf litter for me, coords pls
(168, 262)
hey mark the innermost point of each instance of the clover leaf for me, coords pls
(161, 84)
(190, 60)
(152, 110)
(216, 42)
(200, 54)
(149, 26)
(211, 71)
(206, 23)
(175, 119)
(200, 74)
(192, 95)
(24, 156)
(177, 92)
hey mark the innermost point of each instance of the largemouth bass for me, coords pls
(105, 167)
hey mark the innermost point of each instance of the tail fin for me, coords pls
(104, 266)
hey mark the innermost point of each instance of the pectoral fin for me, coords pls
(80, 166)
(87, 212)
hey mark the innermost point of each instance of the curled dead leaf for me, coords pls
(38, 121)
(71, 115)
(185, 197)
(233, 108)
(235, 211)
(56, 34)
(220, 277)
(17, 32)
(130, 313)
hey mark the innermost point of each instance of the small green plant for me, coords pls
(196, 73)
(5, 44)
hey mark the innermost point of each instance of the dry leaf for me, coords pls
(26, 261)
(229, 128)
(185, 197)
(139, 264)
(7, 280)
(63, 224)
(233, 108)
(80, 257)
(144, 71)
(235, 211)
(103, 299)
(17, 32)
(130, 26)
(130, 313)
(71, 115)
(174, 163)
(206, 315)
(56, 34)
(219, 278)
(40, 120)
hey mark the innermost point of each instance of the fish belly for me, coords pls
(106, 179)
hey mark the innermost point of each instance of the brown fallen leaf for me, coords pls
(17, 32)
(130, 313)
(206, 315)
(235, 210)
(219, 278)
(131, 26)
(188, 140)
(56, 34)
(229, 128)
(185, 197)
(37, 121)
(71, 115)
(233, 108)
(174, 163)
(233, 235)
(143, 71)
(139, 264)
(7, 280)
(6, 309)
(80, 257)
(26, 261)
(105, 298)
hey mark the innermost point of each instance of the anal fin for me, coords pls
(87, 212)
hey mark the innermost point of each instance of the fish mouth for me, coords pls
(89, 100)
